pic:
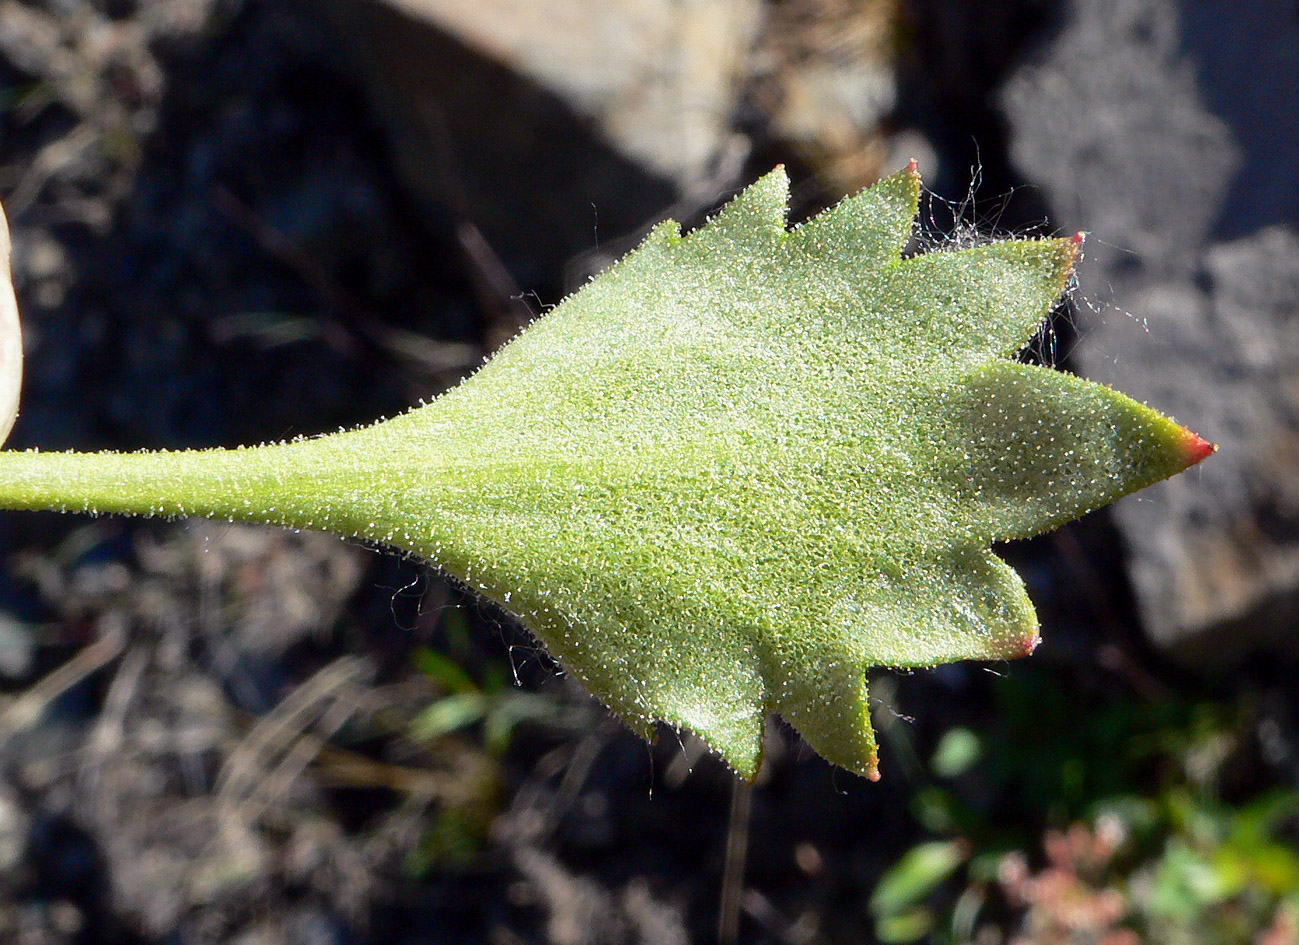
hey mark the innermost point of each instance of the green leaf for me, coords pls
(445, 671)
(728, 475)
(449, 714)
(915, 875)
(904, 927)
(956, 753)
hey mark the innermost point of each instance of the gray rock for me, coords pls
(14, 826)
(824, 80)
(553, 125)
(658, 78)
(17, 647)
(1114, 123)
(1215, 553)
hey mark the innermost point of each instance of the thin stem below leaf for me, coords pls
(737, 845)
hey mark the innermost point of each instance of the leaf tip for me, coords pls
(752, 220)
(1195, 448)
(1015, 646)
(745, 765)
(1070, 249)
(911, 178)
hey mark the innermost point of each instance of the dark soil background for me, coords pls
(218, 733)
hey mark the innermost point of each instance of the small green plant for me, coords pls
(1144, 819)
(728, 475)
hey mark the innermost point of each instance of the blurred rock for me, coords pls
(17, 647)
(1113, 124)
(14, 827)
(1246, 57)
(1215, 553)
(582, 912)
(657, 78)
(824, 78)
(550, 125)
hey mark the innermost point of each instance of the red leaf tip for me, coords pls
(1077, 239)
(913, 167)
(1196, 448)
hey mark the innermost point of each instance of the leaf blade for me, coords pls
(728, 475)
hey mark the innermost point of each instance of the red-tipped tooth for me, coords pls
(1196, 448)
